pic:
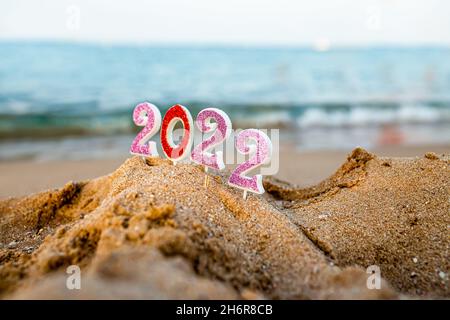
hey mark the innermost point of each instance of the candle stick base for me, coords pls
(206, 177)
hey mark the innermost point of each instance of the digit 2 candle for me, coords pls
(222, 131)
(147, 115)
(261, 154)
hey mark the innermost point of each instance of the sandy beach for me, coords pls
(153, 230)
(189, 150)
(19, 178)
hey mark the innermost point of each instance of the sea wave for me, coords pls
(365, 116)
(73, 89)
(94, 122)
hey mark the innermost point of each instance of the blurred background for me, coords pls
(330, 74)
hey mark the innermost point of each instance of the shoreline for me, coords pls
(23, 177)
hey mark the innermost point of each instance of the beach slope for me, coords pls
(153, 230)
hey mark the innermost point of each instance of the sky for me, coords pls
(244, 22)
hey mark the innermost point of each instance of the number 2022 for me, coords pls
(148, 115)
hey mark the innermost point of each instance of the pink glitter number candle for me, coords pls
(222, 131)
(262, 153)
(147, 115)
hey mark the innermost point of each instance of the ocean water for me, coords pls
(75, 100)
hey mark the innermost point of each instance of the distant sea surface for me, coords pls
(61, 100)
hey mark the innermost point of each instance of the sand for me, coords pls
(152, 230)
(23, 177)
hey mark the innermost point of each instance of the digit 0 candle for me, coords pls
(171, 150)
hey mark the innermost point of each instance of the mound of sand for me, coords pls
(153, 230)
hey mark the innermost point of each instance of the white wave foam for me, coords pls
(361, 116)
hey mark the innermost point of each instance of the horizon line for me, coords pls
(207, 44)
